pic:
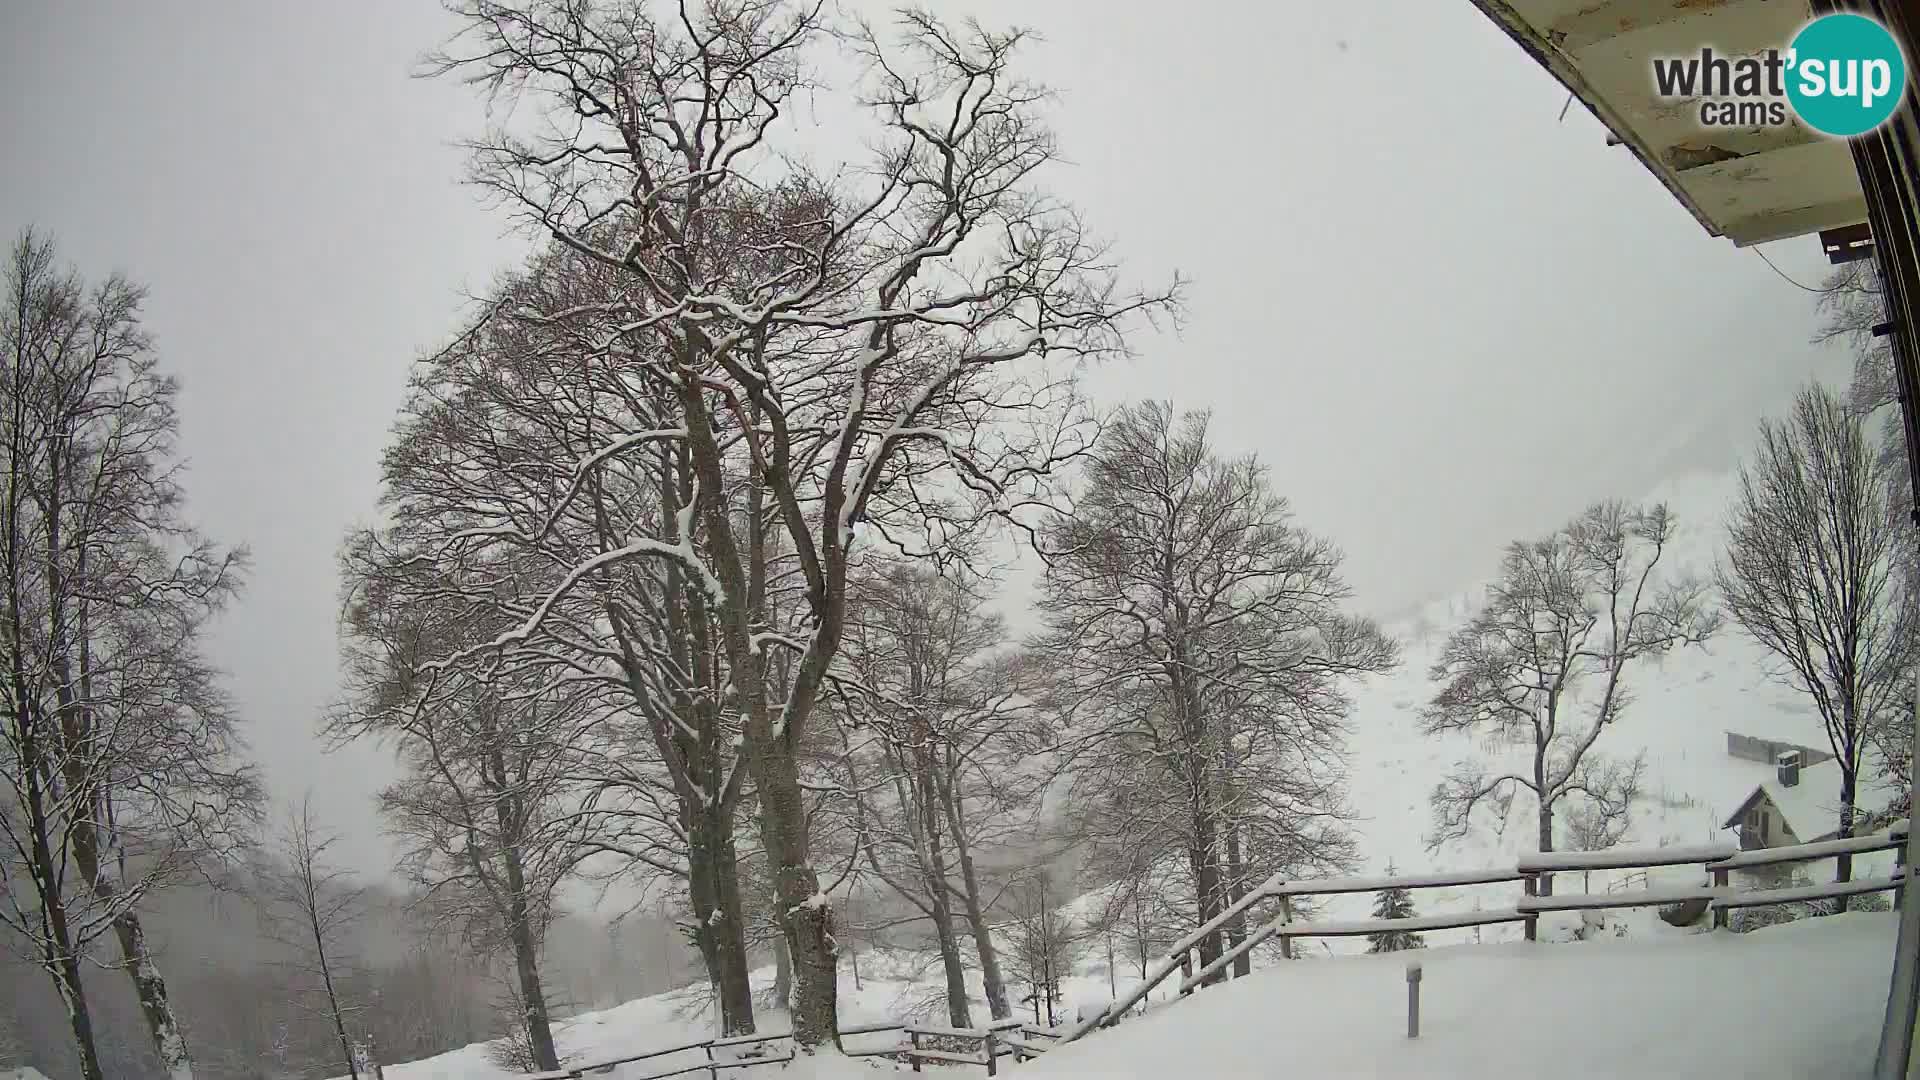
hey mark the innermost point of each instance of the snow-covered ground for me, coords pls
(1791, 1001)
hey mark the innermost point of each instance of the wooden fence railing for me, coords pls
(1531, 871)
(1022, 1041)
(924, 1043)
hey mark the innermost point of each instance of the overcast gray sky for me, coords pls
(1444, 318)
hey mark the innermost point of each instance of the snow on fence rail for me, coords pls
(1533, 871)
(994, 1039)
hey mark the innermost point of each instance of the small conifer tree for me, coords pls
(1393, 903)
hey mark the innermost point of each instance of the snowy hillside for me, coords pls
(1684, 703)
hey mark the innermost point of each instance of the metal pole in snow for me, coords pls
(1413, 999)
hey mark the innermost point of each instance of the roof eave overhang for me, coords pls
(1781, 183)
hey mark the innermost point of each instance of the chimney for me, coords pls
(1789, 768)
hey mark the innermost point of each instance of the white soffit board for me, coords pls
(1750, 185)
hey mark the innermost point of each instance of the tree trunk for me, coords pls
(64, 964)
(58, 955)
(1206, 884)
(1237, 888)
(1203, 837)
(1843, 868)
(168, 1042)
(736, 989)
(802, 913)
(1113, 985)
(333, 998)
(163, 1027)
(539, 1029)
(996, 986)
(1546, 844)
(950, 960)
(526, 962)
(66, 979)
(705, 936)
(1544, 882)
(713, 887)
(782, 976)
(771, 731)
(933, 872)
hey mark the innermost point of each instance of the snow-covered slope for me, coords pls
(1783, 1003)
(1683, 705)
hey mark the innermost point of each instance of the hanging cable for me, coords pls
(1782, 273)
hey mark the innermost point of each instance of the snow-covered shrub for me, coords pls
(1863, 902)
(513, 1051)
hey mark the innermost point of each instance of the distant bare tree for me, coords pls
(1812, 572)
(1045, 941)
(310, 906)
(1569, 614)
(489, 810)
(938, 753)
(1135, 916)
(121, 760)
(1594, 825)
(1198, 653)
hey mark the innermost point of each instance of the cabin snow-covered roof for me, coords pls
(1811, 808)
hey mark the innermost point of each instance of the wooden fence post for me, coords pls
(1286, 912)
(1719, 913)
(712, 1073)
(1533, 918)
(914, 1038)
(991, 1056)
(1899, 874)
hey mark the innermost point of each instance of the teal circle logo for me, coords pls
(1845, 74)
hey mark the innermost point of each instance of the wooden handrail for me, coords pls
(1717, 859)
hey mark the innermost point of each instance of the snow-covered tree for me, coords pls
(1813, 572)
(1044, 942)
(488, 809)
(1199, 651)
(120, 757)
(1393, 902)
(309, 906)
(501, 454)
(934, 754)
(844, 341)
(1542, 666)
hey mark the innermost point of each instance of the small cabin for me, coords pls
(1800, 804)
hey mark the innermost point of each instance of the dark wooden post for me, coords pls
(1286, 912)
(1533, 918)
(914, 1038)
(712, 1073)
(1719, 913)
(1900, 874)
(991, 1056)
